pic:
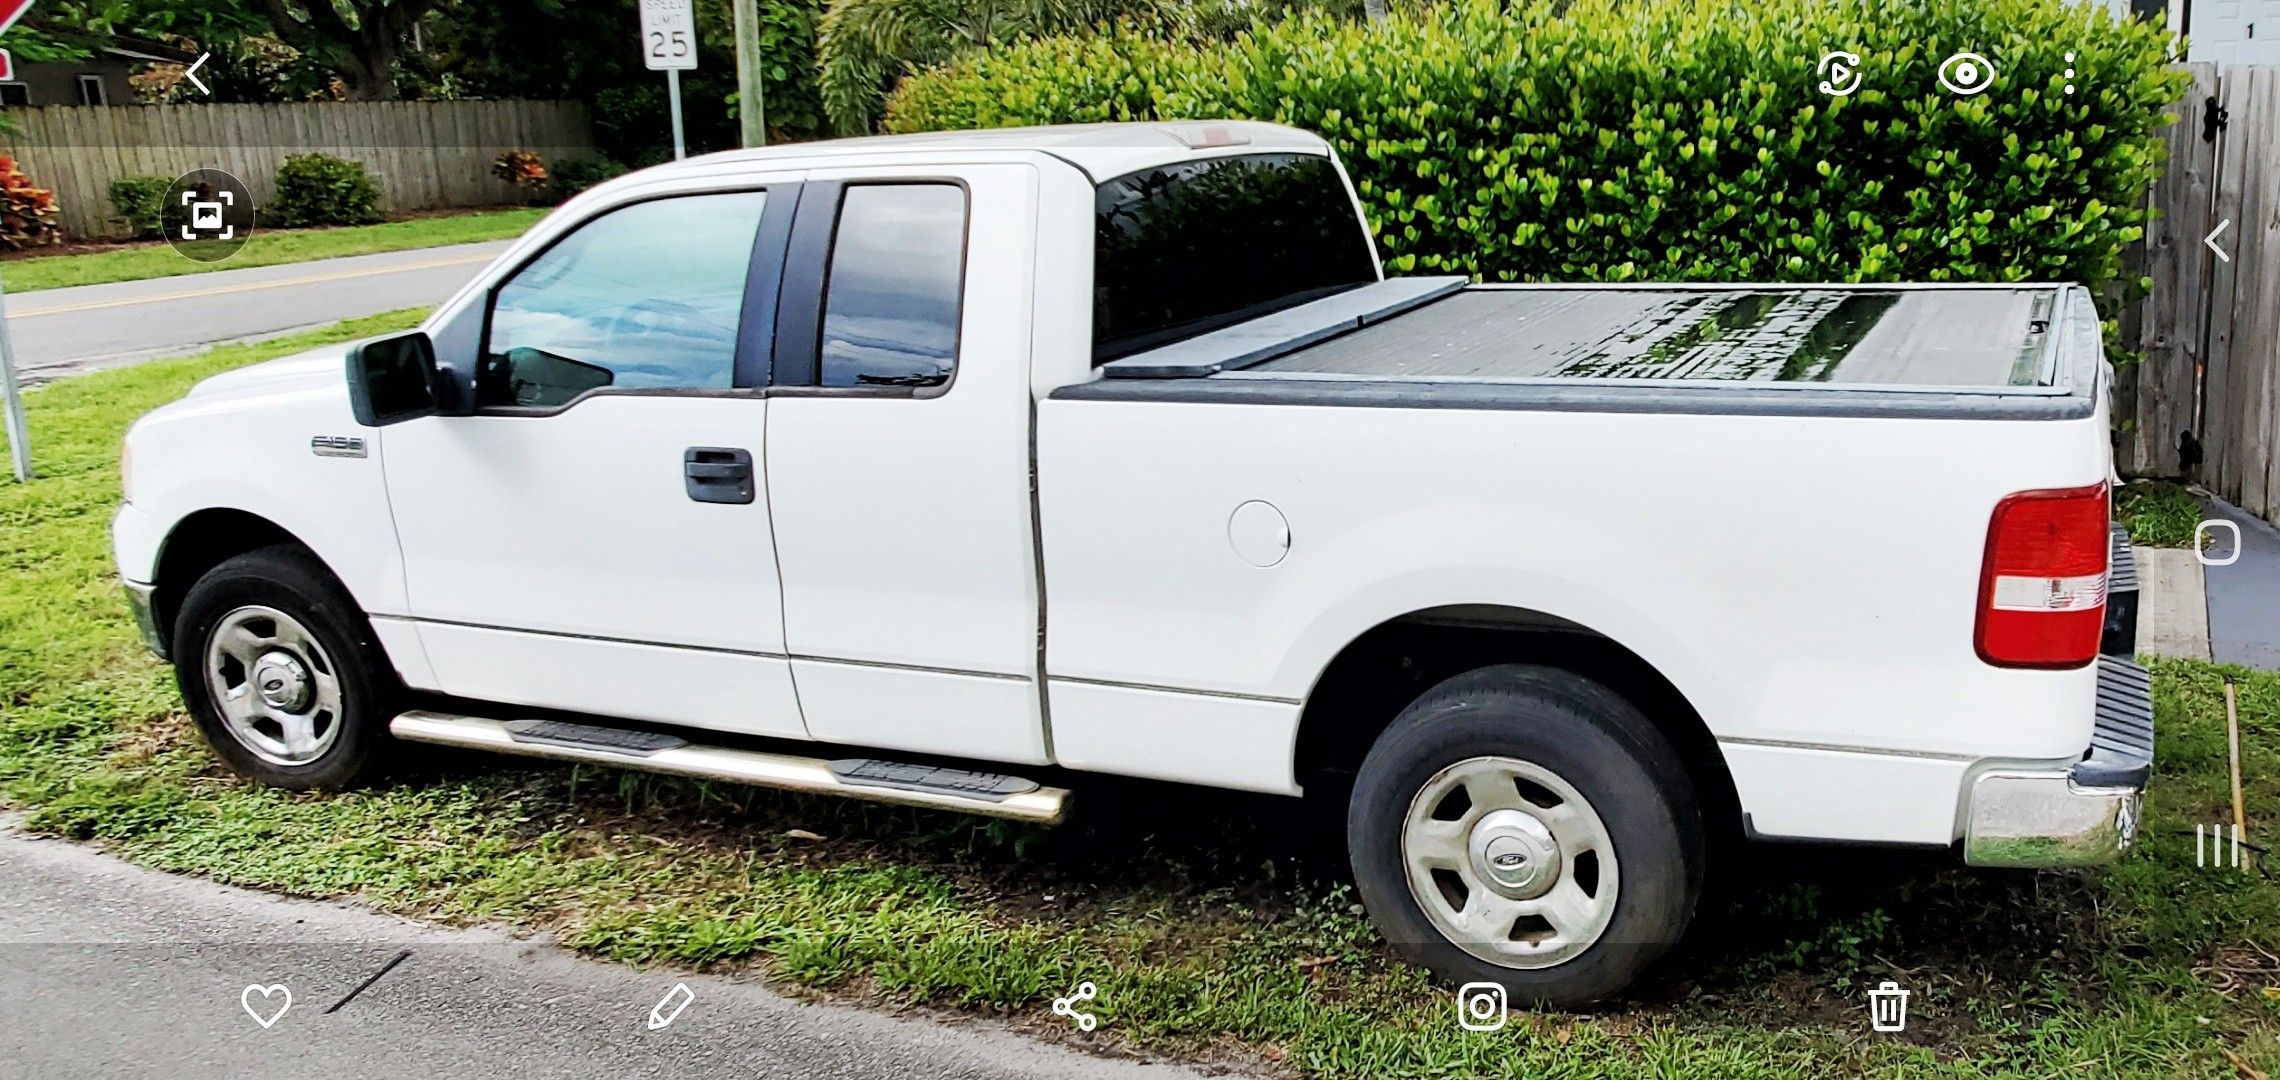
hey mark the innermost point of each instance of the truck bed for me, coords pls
(1925, 338)
(1995, 350)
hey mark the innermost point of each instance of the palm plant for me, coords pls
(863, 46)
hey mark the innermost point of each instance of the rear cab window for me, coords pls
(896, 280)
(1185, 249)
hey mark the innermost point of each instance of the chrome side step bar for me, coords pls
(990, 794)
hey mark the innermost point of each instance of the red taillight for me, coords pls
(2042, 591)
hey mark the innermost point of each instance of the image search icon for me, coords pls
(208, 215)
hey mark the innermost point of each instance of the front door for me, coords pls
(595, 537)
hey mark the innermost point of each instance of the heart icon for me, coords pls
(276, 991)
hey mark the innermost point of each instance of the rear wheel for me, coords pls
(281, 671)
(1527, 827)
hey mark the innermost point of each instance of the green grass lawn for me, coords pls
(2158, 513)
(269, 247)
(1213, 924)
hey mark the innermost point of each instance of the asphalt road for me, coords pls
(107, 970)
(2244, 594)
(58, 332)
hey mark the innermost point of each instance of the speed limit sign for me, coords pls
(669, 35)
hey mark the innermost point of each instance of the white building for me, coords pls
(2229, 31)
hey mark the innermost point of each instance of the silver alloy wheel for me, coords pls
(1510, 862)
(276, 689)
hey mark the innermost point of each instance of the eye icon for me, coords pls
(1966, 74)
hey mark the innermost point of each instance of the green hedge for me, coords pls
(141, 203)
(1663, 139)
(320, 189)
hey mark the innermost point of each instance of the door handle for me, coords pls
(717, 474)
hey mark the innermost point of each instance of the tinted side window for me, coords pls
(891, 300)
(1186, 249)
(644, 297)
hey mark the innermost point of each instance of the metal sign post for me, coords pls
(19, 444)
(19, 440)
(669, 44)
(673, 98)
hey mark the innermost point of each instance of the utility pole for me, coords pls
(751, 104)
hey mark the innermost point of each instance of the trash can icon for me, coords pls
(1888, 1007)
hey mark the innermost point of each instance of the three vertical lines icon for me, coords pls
(2210, 845)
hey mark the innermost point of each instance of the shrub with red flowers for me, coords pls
(27, 213)
(522, 168)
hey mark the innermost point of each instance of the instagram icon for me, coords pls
(1480, 1006)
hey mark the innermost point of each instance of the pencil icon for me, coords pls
(675, 1000)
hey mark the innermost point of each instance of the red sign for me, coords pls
(10, 11)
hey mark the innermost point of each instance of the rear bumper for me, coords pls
(2076, 815)
(2087, 812)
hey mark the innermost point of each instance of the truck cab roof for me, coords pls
(1100, 150)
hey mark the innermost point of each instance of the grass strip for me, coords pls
(2158, 513)
(268, 247)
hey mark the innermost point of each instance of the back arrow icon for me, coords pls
(2211, 240)
(192, 74)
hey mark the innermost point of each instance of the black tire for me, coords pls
(1591, 739)
(290, 580)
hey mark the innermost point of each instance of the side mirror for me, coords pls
(393, 380)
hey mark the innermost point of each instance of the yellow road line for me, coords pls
(251, 286)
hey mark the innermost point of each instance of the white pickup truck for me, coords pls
(993, 459)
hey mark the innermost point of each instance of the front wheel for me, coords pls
(1527, 827)
(281, 671)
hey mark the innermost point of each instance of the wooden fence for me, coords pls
(2204, 403)
(423, 154)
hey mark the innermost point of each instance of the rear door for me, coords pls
(898, 461)
(595, 537)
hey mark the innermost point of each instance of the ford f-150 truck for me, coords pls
(991, 459)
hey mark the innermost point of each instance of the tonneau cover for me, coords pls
(1957, 337)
